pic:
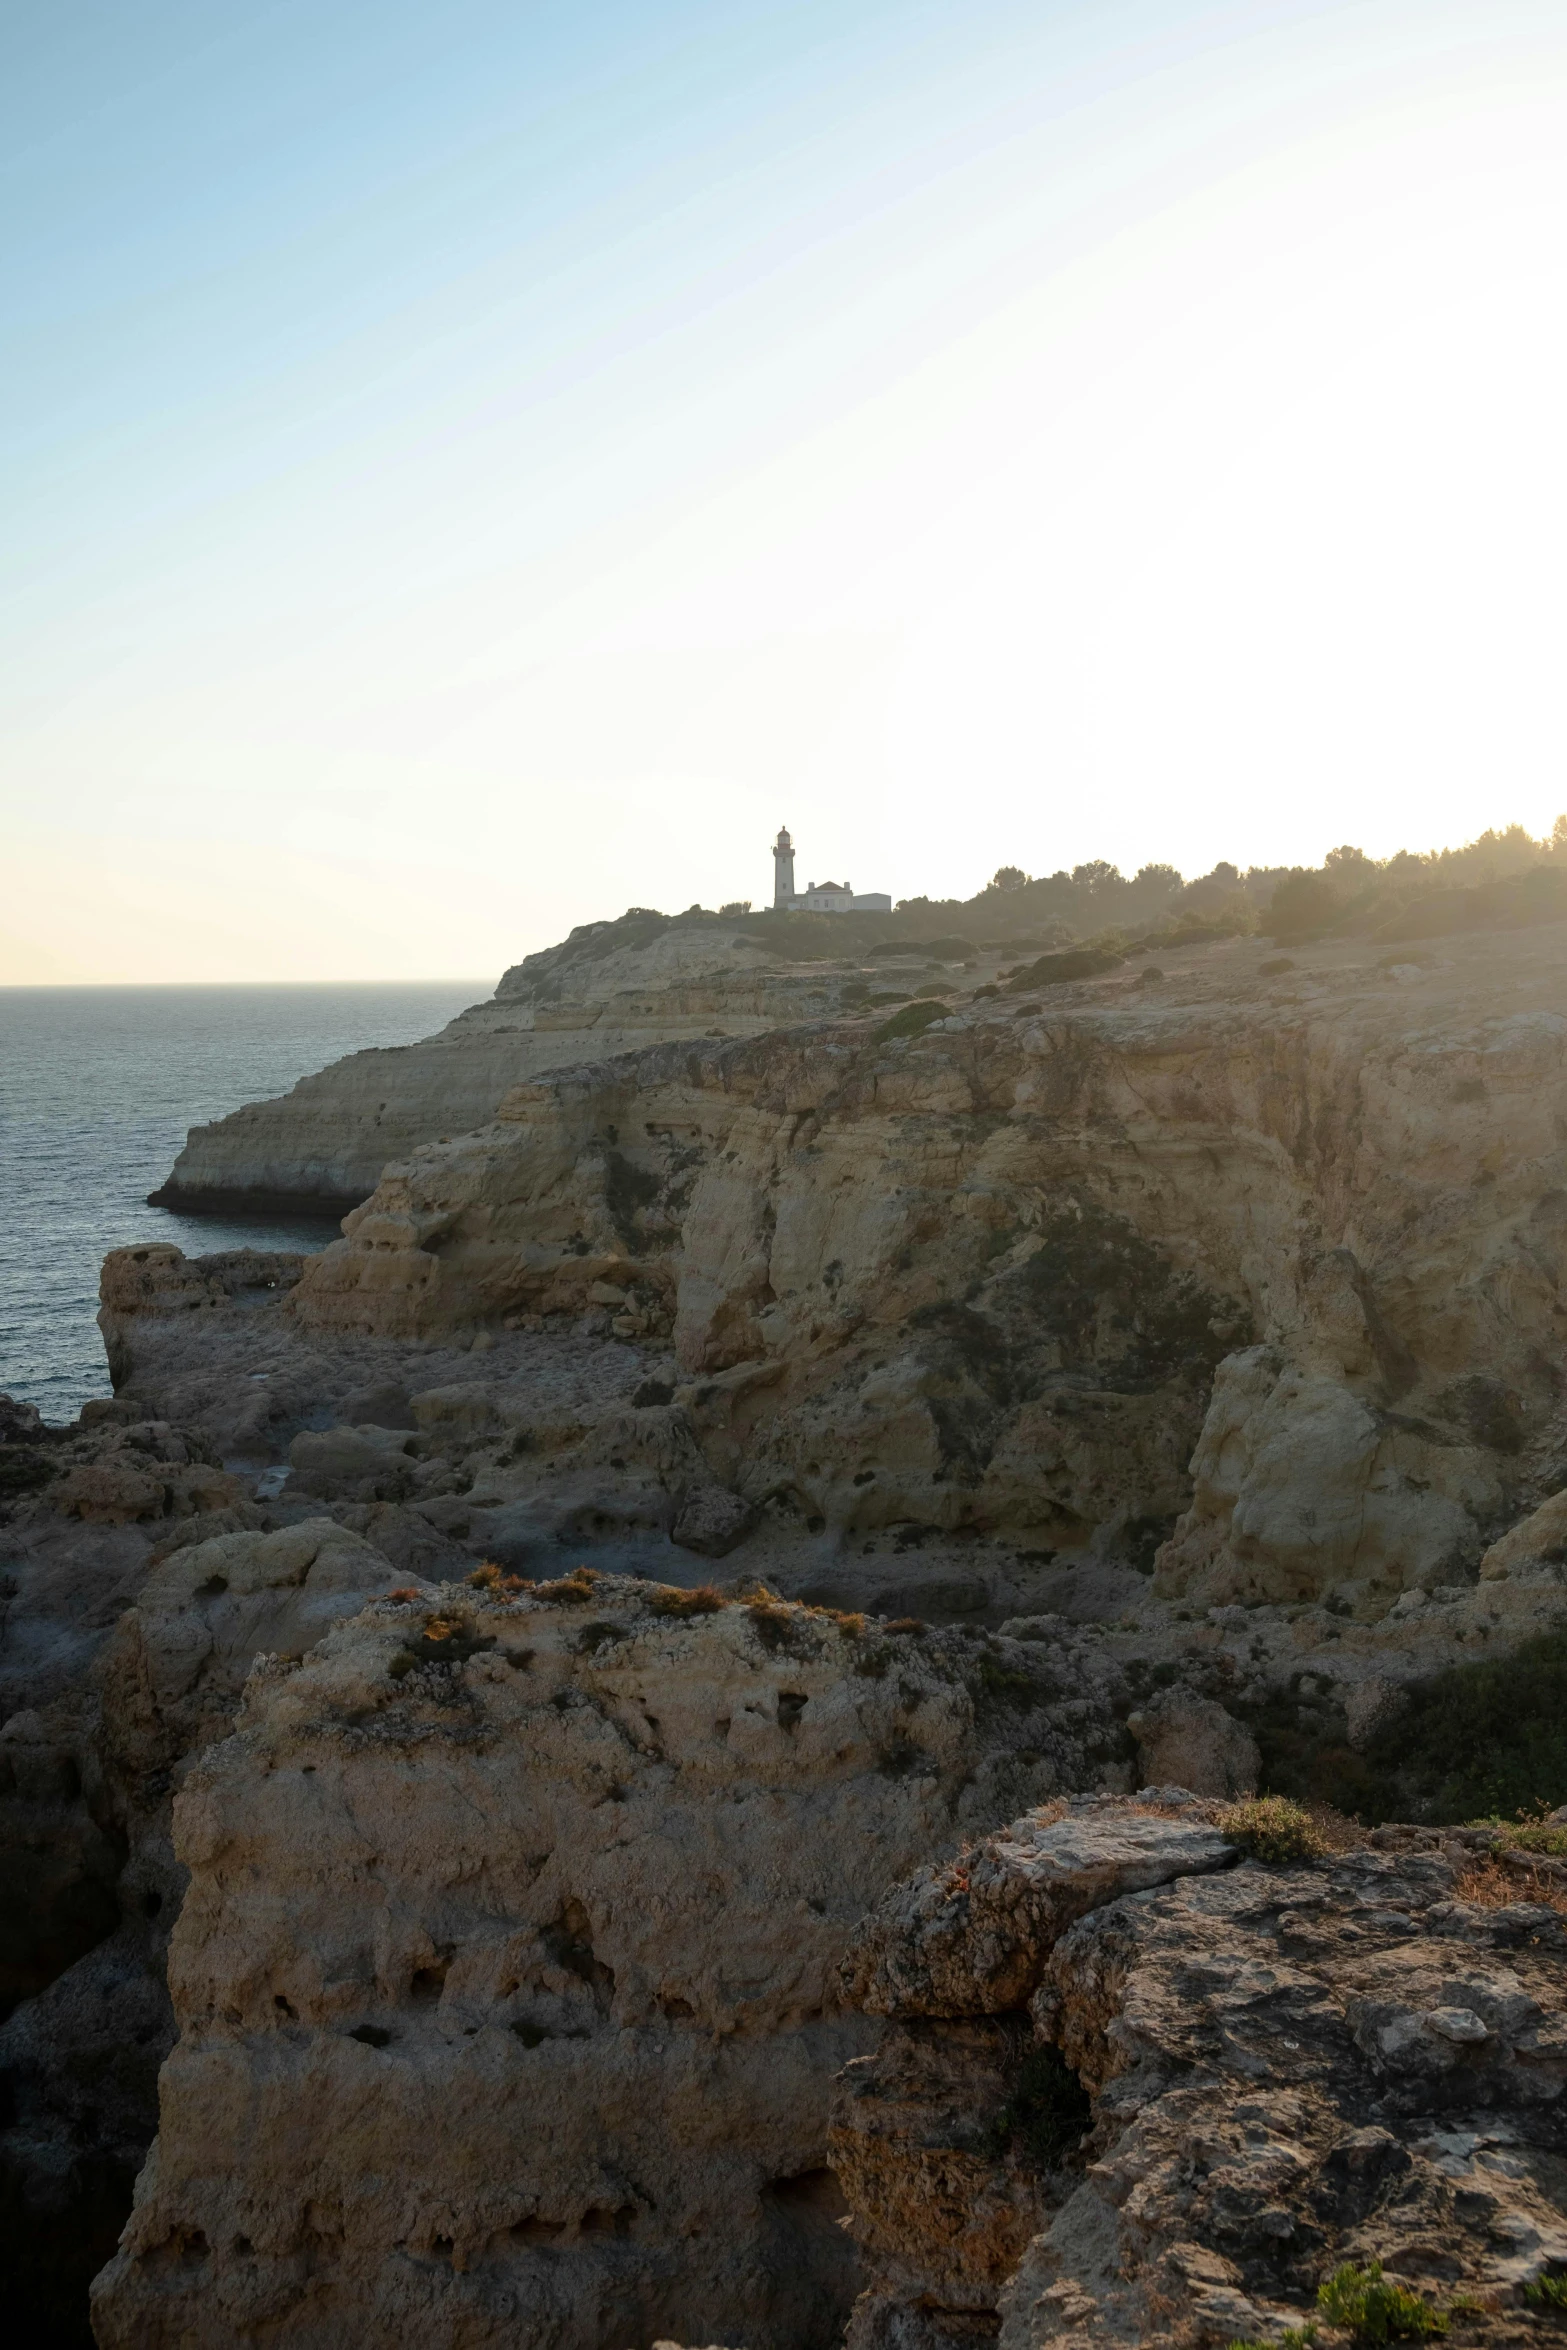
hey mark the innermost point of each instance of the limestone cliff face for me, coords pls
(607, 989)
(506, 1979)
(87, 1774)
(1282, 1263)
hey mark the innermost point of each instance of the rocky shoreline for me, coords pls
(620, 1715)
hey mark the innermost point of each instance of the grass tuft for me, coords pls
(1528, 1831)
(495, 1580)
(570, 1591)
(1273, 1829)
(668, 1599)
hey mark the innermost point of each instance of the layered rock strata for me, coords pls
(1272, 1271)
(609, 988)
(1135, 2088)
(1249, 1282)
(92, 1884)
(506, 1978)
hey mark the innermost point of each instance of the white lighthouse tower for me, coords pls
(783, 870)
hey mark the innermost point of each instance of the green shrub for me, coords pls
(995, 1684)
(947, 949)
(1547, 2292)
(1523, 1834)
(913, 1020)
(1271, 1828)
(1484, 1741)
(1479, 1740)
(1367, 2305)
(1057, 970)
(1301, 902)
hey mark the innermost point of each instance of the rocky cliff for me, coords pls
(506, 1976)
(609, 988)
(1264, 1269)
(1125, 1377)
(1135, 2086)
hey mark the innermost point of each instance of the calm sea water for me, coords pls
(97, 1088)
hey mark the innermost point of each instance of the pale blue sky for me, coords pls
(466, 469)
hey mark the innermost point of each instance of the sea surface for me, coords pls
(98, 1086)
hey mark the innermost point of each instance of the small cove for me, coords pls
(98, 1086)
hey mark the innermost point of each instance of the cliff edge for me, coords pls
(609, 988)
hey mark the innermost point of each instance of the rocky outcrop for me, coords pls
(1193, 1742)
(1283, 1263)
(611, 987)
(158, 1280)
(506, 1980)
(90, 1880)
(1130, 1383)
(1173, 2118)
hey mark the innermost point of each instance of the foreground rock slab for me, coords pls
(1209, 2094)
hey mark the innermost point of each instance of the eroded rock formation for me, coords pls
(91, 1883)
(1170, 1375)
(1275, 1273)
(506, 1978)
(1136, 2088)
(610, 987)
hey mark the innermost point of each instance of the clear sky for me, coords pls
(468, 468)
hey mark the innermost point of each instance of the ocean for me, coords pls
(97, 1088)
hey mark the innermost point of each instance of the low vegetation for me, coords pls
(1504, 879)
(571, 1590)
(443, 1640)
(497, 1583)
(1273, 1829)
(1373, 2308)
(1486, 1739)
(1478, 1741)
(913, 1020)
(1540, 1833)
(668, 1599)
(1489, 1883)
(1057, 970)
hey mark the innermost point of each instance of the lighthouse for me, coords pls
(783, 869)
(823, 897)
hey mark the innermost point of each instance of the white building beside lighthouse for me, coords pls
(820, 897)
